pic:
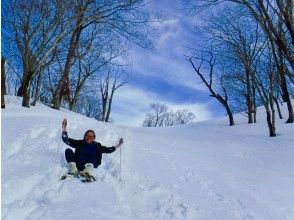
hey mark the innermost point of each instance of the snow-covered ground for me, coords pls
(206, 170)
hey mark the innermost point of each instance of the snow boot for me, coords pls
(73, 170)
(87, 173)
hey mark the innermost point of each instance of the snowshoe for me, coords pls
(70, 175)
(86, 177)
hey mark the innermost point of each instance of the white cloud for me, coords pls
(167, 31)
(167, 59)
(174, 70)
(132, 103)
(164, 23)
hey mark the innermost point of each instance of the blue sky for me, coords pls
(162, 74)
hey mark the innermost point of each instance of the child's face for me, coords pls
(89, 137)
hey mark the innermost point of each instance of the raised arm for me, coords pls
(109, 150)
(71, 142)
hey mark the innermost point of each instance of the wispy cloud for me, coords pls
(174, 70)
(170, 39)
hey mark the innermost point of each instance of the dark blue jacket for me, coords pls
(87, 153)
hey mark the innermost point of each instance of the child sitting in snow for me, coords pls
(87, 155)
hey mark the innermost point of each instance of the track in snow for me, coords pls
(33, 161)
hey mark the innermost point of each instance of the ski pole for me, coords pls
(58, 148)
(63, 128)
(120, 164)
(57, 152)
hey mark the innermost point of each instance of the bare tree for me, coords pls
(266, 85)
(236, 84)
(160, 116)
(259, 42)
(37, 27)
(239, 37)
(91, 58)
(268, 14)
(115, 18)
(89, 105)
(157, 116)
(277, 101)
(179, 117)
(149, 120)
(211, 62)
(110, 82)
(282, 70)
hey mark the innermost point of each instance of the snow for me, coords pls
(205, 170)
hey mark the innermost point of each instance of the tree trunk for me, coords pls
(104, 105)
(225, 103)
(3, 86)
(248, 97)
(73, 102)
(230, 114)
(103, 115)
(273, 118)
(37, 91)
(109, 106)
(56, 100)
(254, 114)
(286, 98)
(57, 96)
(24, 89)
(278, 107)
(290, 110)
(272, 130)
(26, 94)
(267, 103)
(270, 118)
(76, 95)
(19, 91)
(254, 103)
(108, 111)
(104, 97)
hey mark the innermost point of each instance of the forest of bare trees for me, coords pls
(61, 50)
(247, 58)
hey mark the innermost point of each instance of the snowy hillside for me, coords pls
(207, 170)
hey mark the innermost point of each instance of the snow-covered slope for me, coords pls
(207, 170)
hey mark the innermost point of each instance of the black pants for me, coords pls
(71, 157)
